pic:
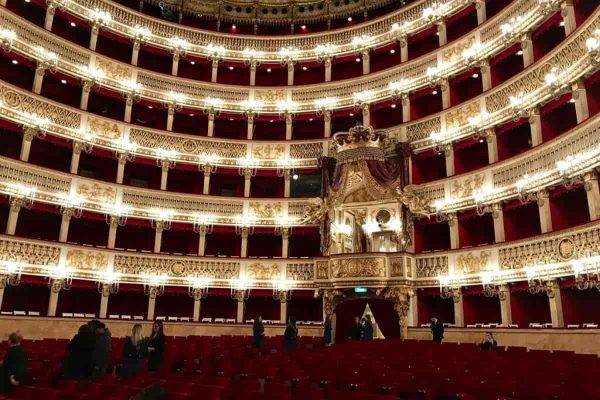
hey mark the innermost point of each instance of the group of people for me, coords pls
(290, 336)
(88, 353)
(437, 333)
(362, 329)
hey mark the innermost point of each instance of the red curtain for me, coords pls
(218, 304)
(130, 300)
(526, 307)
(175, 302)
(303, 306)
(480, 309)
(261, 302)
(430, 304)
(386, 317)
(32, 294)
(82, 297)
(344, 317)
(580, 306)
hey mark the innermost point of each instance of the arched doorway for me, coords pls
(383, 311)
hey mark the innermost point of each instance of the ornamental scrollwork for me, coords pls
(300, 272)
(432, 267)
(30, 253)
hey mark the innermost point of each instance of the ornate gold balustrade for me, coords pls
(19, 106)
(288, 11)
(501, 181)
(498, 181)
(551, 255)
(381, 30)
(69, 122)
(22, 180)
(394, 82)
(570, 62)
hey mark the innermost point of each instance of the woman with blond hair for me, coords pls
(133, 352)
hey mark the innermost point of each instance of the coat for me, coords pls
(79, 362)
(15, 365)
(101, 353)
(367, 331)
(290, 338)
(356, 332)
(258, 334)
(133, 358)
(155, 357)
(327, 332)
(437, 331)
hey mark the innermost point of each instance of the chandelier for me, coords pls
(203, 224)
(538, 285)
(448, 290)
(154, 285)
(282, 290)
(490, 288)
(198, 287)
(108, 282)
(10, 274)
(586, 280)
(60, 278)
(240, 288)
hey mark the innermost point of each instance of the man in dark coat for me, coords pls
(437, 330)
(79, 362)
(357, 330)
(101, 353)
(13, 370)
(258, 333)
(327, 331)
(367, 328)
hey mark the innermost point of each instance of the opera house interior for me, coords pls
(299, 199)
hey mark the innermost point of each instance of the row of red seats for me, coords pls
(227, 368)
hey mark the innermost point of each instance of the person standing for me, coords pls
(290, 336)
(258, 333)
(156, 347)
(489, 343)
(437, 330)
(79, 361)
(133, 353)
(357, 331)
(101, 353)
(327, 331)
(367, 328)
(13, 369)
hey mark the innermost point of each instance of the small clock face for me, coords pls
(383, 216)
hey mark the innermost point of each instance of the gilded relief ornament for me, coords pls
(566, 248)
(266, 210)
(470, 264)
(322, 269)
(268, 151)
(178, 268)
(263, 272)
(358, 268)
(87, 260)
(466, 187)
(103, 128)
(397, 265)
(96, 192)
